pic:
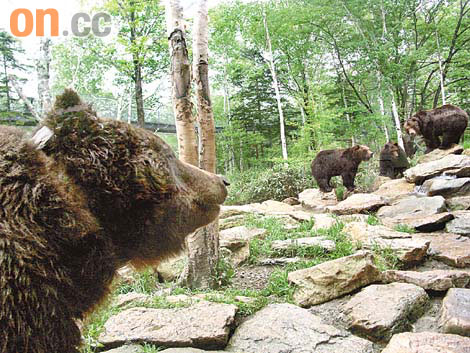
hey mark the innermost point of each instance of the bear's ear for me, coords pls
(356, 147)
(68, 99)
(41, 137)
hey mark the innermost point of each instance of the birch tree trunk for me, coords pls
(382, 107)
(43, 72)
(396, 117)
(203, 245)
(24, 98)
(272, 68)
(181, 83)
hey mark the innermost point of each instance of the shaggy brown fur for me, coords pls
(344, 162)
(100, 194)
(393, 161)
(447, 121)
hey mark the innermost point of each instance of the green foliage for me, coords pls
(224, 271)
(143, 282)
(404, 228)
(373, 220)
(385, 258)
(277, 183)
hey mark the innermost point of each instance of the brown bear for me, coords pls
(344, 162)
(393, 161)
(80, 199)
(447, 121)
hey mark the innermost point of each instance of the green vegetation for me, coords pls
(404, 228)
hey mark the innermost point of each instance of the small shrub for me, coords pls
(373, 220)
(277, 183)
(224, 271)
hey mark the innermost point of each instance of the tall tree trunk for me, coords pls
(441, 71)
(272, 67)
(382, 107)
(203, 245)
(129, 107)
(43, 72)
(137, 76)
(396, 117)
(181, 84)
(348, 118)
(7, 83)
(24, 98)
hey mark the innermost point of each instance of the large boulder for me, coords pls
(458, 165)
(452, 249)
(281, 328)
(359, 203)
(316, 200)
(455, 312)
(439, 154)
(333, 278)
(447, 186)
(395, 189)
(379, 311)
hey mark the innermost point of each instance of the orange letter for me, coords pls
(29, 22)
(40, 14)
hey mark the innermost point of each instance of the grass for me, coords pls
(404, 228)
(373, 220)
(386, 258)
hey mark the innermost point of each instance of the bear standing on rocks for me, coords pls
(82, 198)
(393, 161)
(447, 121)
(344, 162)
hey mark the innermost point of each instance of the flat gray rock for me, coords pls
(408, 250)
(188, 350)
(414, 206)
(447, 187)
(436, 280)
(379, 311)
(333, 279)
(458, 165)
(316, 200)
(455, 312)
(460, 224)
(237, 241)
(204, 325)
(281, 328)
(427, 342)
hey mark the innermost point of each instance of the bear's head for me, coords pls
(142, 195)
(361, 153)
(412, 126)
(390, 151)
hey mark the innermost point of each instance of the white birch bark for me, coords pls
(396, 117)
(43, 72)
(181, 83)
(270, 59)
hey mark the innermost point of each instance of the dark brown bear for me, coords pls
(393, 161)
(344, 162)
(447, 121)
(84, 197)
